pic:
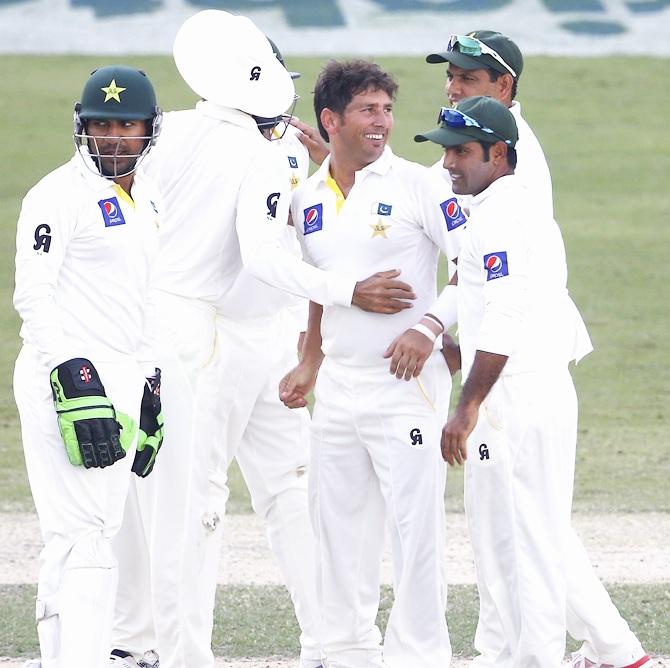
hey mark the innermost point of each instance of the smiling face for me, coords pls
(469, 171)
(116, 144)
(361, 131)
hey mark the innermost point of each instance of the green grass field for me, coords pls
(602, 123)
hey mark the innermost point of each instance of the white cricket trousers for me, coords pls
(79, 510)
(518, 493)
(241, 416)
(376, 460)
(591, 615)
(152, 544)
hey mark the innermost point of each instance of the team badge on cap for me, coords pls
(313, 219)
(453, 214)
(496, 265)
(112, 92)
(111, 212)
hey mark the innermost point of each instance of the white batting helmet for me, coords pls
(227, 60)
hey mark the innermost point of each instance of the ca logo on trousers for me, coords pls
(483, 452)
(416, 437)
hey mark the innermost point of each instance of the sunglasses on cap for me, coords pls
(453, 118)
(471, 46)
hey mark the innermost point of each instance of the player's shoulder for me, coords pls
(57, 185)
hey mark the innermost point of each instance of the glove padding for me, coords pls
(151, 427)
(94, 435)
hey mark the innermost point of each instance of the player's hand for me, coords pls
(88, 422)
(310, 138)
(297, 384)
(408, 353)
(451, 352)
(151, 427)
(455, 434)
(382, 293)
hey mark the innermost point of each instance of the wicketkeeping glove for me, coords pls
(94, 434)
(151, 427)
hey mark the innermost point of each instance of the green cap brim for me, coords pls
(456, 136)
(467, 62)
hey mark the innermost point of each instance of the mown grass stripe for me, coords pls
(259, 621)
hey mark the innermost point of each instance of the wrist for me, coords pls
(433, 323)
(425, 330)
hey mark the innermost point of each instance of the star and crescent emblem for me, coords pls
(112, 92)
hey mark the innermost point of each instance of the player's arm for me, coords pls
(261, 218)
(299, 382)
(42, 237)
(485, 371)
(442, 220)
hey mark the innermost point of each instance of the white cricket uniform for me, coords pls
(513, 301)
(85, 253)
(257, 329)
(592, 617)
(225, 192)
(375, 439)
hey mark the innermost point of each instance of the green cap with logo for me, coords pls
(118, 92)
(474, 119)
(482, 49)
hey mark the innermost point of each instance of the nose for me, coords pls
(448, 161)
(453, 90)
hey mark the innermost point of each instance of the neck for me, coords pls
(125, 182)
(343, 173)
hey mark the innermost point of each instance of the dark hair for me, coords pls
(340, 81)
(511, 153)
(494, 75)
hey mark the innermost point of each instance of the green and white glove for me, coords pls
(151, 427)
(95, 435)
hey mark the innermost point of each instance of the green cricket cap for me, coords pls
(493, 122)
(501, 44)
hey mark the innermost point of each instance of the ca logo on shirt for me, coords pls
(496, 265)
(313, 218)
(453, 214)
(42, 238)
(111, 212)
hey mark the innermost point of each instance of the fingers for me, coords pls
(389, 273)
(453, 446)
(389, 351)
(289, 395)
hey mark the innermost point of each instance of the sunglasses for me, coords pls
(471, 46)
(453, 118)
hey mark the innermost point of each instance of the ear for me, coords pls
(505, 83)
(330, 120)
(498, 153)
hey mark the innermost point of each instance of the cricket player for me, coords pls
(87, 241)
(225, 189)
(516, 421)
(486, 62)
(258, 329)
(375, 454)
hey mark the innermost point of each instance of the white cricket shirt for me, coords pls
(512, 277)
(85, 252)
(398, 215)
(225, 194)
